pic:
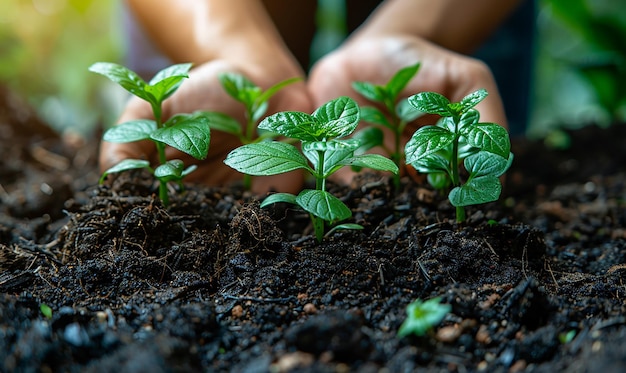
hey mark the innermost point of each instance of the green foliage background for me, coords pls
(47, 45)
(580, 68)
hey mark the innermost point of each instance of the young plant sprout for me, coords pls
(255, 101)
(438, 150)
(324, 151)
(423, 316)
(394, 114)
(45, 310)
(188, 133)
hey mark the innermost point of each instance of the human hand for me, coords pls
(203, 91)
(376, 58)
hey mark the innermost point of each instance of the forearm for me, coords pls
(203, 30)
(459, 25)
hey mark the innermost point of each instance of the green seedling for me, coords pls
(567, 337)
(459, 138)
(188, 133)
(325, 149)
(423, 316)
(255, 101)
(394, 114)
(45, 310)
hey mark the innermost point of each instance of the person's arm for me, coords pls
(204, 30)
(458, 25)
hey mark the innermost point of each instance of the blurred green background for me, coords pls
(47, 45)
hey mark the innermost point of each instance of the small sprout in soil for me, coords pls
(394, 114)
(492, 222)
(45, 310)
(423, 316)
(324, 151)
(459, 138)
(566, 338)
(255, 101)
(188, 133)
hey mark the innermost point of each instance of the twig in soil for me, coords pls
(614, 268)
(192, 287)
(382, 276)
(80, 282)
(491, 249)
(610, 322)
(34, 248)
(424, 271)
(261, 300)
(432, 228)
(556, 283)
(50, 159)
(9, 282)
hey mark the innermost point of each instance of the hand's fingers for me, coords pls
(476, 75)
(491, 108)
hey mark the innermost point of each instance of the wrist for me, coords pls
(457, 25)
(200, 31)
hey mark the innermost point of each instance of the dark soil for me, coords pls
(214, 283)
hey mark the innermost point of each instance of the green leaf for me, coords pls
(293, 124)
(345, 226)
(368, 138)
(439, 180)
(431, 103)
(259, 111)
(484, 164)
(509, 162)
(425, 141)
(375, 116)
(323, 205)
(406, 112)
(179, 71)
(188, 170)
(126, 78)
(334, 152)
(186, 132)
(472, 99)
(476, 191)
(373, 161)
(432, 163)
(271, 91)
(343, 144)
(448, 123)
(45, 310)
(167, 81)
(266, 158)
(278, 198)
(468, 118)
(372, 92)
(240, 88)
(489, 137)
(337, 118)
(423, 316)
(125, 165)
(134, 130)
(171, 170)
(222, 122)
(400, 79)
